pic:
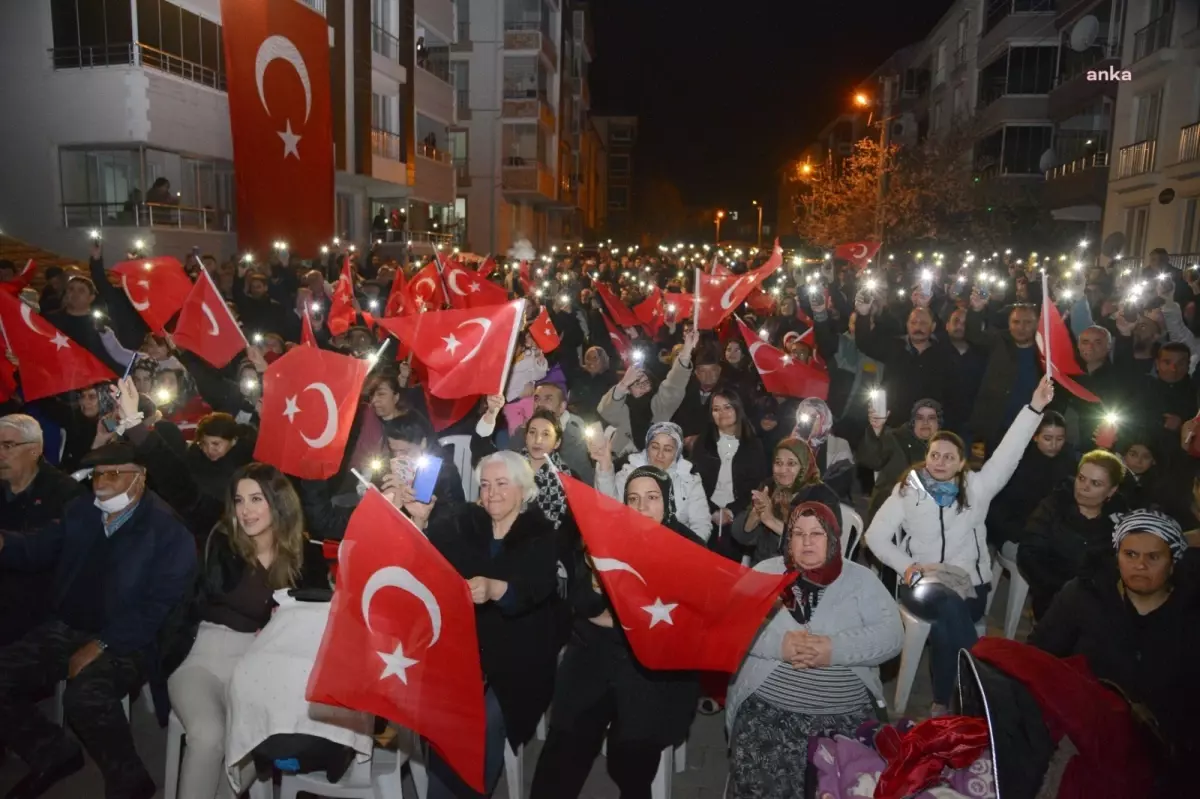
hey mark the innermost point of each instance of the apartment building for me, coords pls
(1153, 193)
(619, 135)
(104, 97)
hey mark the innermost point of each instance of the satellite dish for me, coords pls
(1047, 161)
(1084, 34)
(1113, 244)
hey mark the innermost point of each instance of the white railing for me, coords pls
(147, 215)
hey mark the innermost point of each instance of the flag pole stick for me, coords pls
(512, 345)
(696, 301)
(437, 258)
(1046, 314)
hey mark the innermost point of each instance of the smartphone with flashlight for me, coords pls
(877, 402)
(428, 468)
(804, 426)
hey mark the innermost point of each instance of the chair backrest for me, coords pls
(461, 445)
(852, 529)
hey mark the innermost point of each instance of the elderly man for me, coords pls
(33, 495)
(123, 564)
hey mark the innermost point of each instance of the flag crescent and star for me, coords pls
(396, 663)
(281, 48)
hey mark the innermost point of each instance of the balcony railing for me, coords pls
(1136, 159)
(136, 54)
(435, 61)
(516, 93)
(1095, 161)
(1153, 37)
(386, 144)
(411, 237)
(315, 5)
(960, 57)
(384, 43)
(1189, 143)
(433, 153)
(146, 215)
(1076, 63)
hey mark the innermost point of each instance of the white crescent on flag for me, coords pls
(727, 297)
(331, 417)
(140, 306)
(397, 577)
(451, 275)
(485, 325)
(614, 565)
(754, 349)
(432, 287)
(860, 250)
(212, 320)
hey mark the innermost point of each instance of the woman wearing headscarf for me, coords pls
(664, 450)
(814, 667)
(795, 478)
(1136, 620)
(890, 451)
(835, 460)
(601, 690)
(592, 384)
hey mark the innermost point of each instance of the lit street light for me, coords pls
(720, 216)
(760, 209)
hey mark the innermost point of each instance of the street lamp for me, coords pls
(861, 100)
(759, 207)
(720, 216)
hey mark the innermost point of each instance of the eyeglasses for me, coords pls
(9, 446)
(112, 474)
(817, 536)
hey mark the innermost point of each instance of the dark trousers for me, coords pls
(444, 782)
(953, 629)
(567, 757)
(91, 705)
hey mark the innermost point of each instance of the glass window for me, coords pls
(1023, 148)
(98, 176)
(189, 33)
(210, 45)
(1135, 229)
(1189, 242)
(64, 23)
(1031, 70)
(1147, 108)
(149, 23)
(618, 166)
(170, 29)
(618, 198)
(458, 145)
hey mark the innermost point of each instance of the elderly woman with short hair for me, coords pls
(505, 549)
(814, 667)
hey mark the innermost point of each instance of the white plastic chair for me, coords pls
(1018, 592)
(514, 771)
(461, 445)
(916, 633)
(852, 524)
(681, 758)
(378, 778)
(661, 787)
(176, 740)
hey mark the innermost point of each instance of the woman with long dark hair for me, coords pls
(729, 459)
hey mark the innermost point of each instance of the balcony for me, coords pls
(387, 71)
(1152, 38)
(434, 180)
(526, 37)
(384, 43)
(462, 172)
(1071, 92)
(959, 60)
(528, 181)
(1014, 19)
(433, 96)
(135, 54)
(433, 154)
(145, 215)
(1078, 184)
(1188, 164)
(1136, 159)
(1096, 161)
(386, 144)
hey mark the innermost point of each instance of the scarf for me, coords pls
(925, 403)
(822, 420)
(944, 492)
(671, 429)
(550, 497)
(665, 485)
(1155, 523)
(802, 595)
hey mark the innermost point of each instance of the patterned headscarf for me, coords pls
(802, 596)
(1156, 524)
(822, 420)
(925, 403)
(671, 429)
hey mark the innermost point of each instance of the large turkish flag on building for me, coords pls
(400, 641)
(682, 606)
(277, 63)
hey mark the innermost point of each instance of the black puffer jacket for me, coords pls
(1036, 476)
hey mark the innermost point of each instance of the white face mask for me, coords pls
(117, 503)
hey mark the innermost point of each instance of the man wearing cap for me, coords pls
(123, 564)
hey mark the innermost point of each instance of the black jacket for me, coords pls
(749, 468)
(908, 375)
(518, 650)
(651, 706)
(1150, 657)
(1036, 476)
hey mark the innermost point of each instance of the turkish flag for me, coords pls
(308, 404)
(682, 606)
(761, 302)
(620, 314)
(466, 352)
(720, 295)
(782, 374)
(206, 327)
(621, 342)
(1063, 365)
(679, 305)
(487, 267)
(307, 337)
(156, 287)
(400, 641)
(544, 333)
(445, 412)
(468, 290)
(397, 300)
(49, 361)
(277, 63)
(651, 311)
(21, 281)
(425, 290)
(341, 307)
(858, 253)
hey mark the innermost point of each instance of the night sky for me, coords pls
(727, 90)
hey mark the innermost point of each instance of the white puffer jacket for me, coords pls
(691, 504)
(910, 528)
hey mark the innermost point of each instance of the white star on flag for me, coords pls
(290, 140)
(474, 287)
(396, 664)
(660, 612)
(291, 409)
(61, 341)
(451, 343)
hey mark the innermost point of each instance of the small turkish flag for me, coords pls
(543, 332)
(341, 308)
(397, 301)
(468, 290)
(761, 302)
(466, 352)
(782, 374)
(621, 343)
(280, 113)
(206, 327)
(307, 337)
(400, 641)
(156, 287)
(620, 314)
(858, 253)
(1063, 365)
(679, 305)
(720, 295)
(650, 311)
(308, 405)
(49, 362)
(487, 267)
(682, 606)
(425, 292)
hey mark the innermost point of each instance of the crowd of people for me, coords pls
(142, 545)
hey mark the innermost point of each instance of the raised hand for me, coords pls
(1043, 394)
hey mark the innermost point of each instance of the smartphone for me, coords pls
(984, 290)
(804, 426)
(877, 400)
(428, 469)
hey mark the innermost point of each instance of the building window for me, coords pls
(618, 198)
(618, 166)
(345, 215)
(383, 113)
(939, 64)
(1023, 148)
(1136, 219)
(1031, 70)
(997, 10)
(620, 133)
(1147, 109)
(1189, 242)
(935, 119)
(956, 107)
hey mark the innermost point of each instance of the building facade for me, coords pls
(619, 136)
(104, 97)
(1153, 193)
